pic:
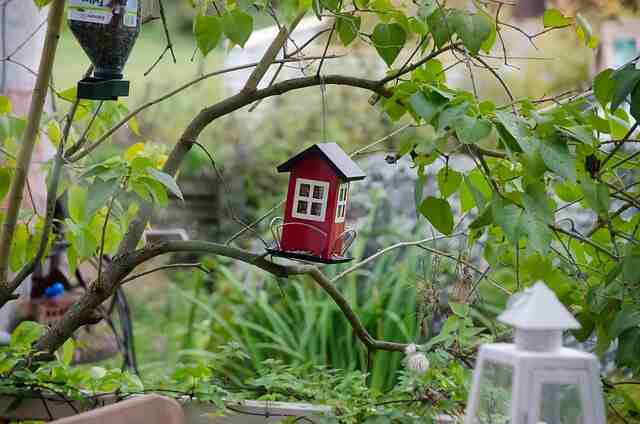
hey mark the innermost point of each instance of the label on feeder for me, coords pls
(102, 11)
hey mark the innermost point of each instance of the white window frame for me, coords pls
(342, 203)
(309, 199)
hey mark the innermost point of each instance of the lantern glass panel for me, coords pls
(561, 404)
(496, 384)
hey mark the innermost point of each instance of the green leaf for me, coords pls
(538, 234)
(553, 18)
(451, 114)
(333, 5)
(99, 195)
(207, 31)
(567, 192)
(68, 349)
(348, 27)
(470, 130)
(19, 248)
(238, 26)
(41, 3)
(439, 27)
(596, 194)
(626, 80)
(77, 203)
(167, 181)
(5, 182)
(556, 157)
(472, 29)
(459, 309)
(5, 105)
(509, 217)
(485, 218)
(26, 333)
(427, 104)
(628, 352)
(604, 86)
(631, 268)
(536, 202)
(54, 132)
(389, 39)
(430, 72)
(635, 103)
(439, 214)
(478, 187)
(585, 32)
(519, 131)
(628, 317)
(448, 181)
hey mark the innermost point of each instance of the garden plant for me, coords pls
(537, 163)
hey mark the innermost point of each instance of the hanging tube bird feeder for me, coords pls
(107, 31)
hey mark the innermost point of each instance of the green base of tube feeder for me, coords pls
(99, 89)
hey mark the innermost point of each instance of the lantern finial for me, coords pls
(538, 318)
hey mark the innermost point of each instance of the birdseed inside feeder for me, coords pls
(107, 31)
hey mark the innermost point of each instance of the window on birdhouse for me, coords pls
(310, 200)
(341, 206)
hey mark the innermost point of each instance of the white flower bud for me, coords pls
(416, 361)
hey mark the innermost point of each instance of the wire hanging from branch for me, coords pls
(323, 92)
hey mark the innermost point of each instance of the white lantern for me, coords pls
(535, 380)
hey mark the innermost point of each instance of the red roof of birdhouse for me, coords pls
(334, 155)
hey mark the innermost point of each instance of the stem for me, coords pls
(56, 13)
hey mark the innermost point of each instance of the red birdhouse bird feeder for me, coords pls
(313, 227)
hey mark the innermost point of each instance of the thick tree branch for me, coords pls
(356, 324)
(115, 272)
(21, 172)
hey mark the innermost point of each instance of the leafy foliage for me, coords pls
(534, 168)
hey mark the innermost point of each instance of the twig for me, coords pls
(326, 47)
(165, 267)
(104, 232)
(619, 145)
(166, 96)
(387, 250)
(381, 140)
(254, 223)
(167, 35)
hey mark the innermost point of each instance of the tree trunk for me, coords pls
(22, 42)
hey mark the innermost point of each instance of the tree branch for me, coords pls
(356, 324)
(270, 56)
(124, 262)
(56, 13)
(387, 250)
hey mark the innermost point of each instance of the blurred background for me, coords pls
(182, 315)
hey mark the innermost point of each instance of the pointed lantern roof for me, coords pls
(337, 158)
(538, 308)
